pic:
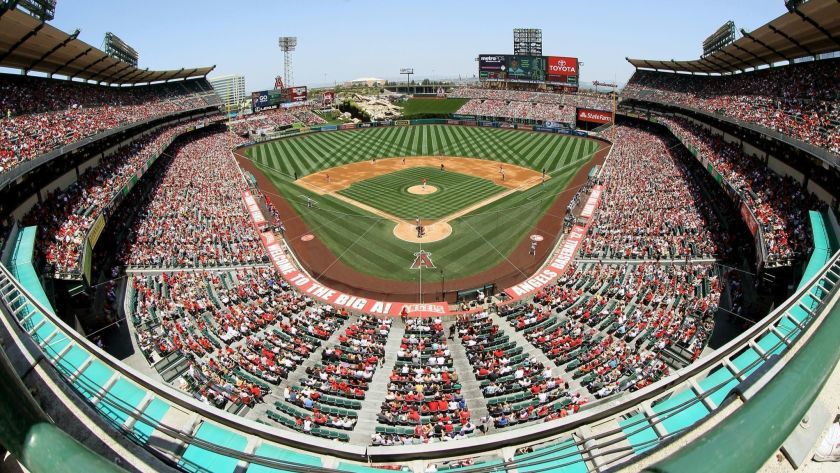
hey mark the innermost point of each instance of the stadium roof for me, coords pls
(28, 44)
(813, 28)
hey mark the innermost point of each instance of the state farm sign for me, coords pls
(559, 66)
(593, 116)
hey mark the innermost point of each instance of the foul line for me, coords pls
(496, 249)
(337, 258)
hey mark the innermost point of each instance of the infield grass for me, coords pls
(389, 192)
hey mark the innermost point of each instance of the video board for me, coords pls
(554, 70)
(295, 94)
(266, 99)
(526, 68)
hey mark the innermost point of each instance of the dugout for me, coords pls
(468, 295)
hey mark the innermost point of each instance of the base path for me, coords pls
(319, 259)
(341, 177)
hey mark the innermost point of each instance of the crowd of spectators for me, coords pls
(38, 115)
(799, 100)
(524, 105)
(195, 217)
(652, 206)
(274, 119)
(241, 331)
(66, 215)
(424, 391)
(518, 388)
(779, 203)
(609, 323)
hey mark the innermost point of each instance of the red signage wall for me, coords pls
(560, 68)
(594, 116)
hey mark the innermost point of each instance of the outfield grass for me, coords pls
(419, 106)
(389, 192)
(480, 240)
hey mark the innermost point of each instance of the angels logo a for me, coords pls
(422, 259)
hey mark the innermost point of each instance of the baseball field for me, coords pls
(350, 190)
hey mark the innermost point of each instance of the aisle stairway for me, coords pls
(476, 402)
(378, 386)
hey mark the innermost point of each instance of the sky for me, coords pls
(339, 40)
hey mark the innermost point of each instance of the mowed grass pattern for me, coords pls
(480, 240)
(389, 192)
(311, 153)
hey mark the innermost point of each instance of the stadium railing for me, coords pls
(760, 426)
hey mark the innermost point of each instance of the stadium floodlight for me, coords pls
(117, 48)
(527, 41)
(407, 71)
(43, 10)
(721, 38)
(287, 45)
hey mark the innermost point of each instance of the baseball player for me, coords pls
(424, 188)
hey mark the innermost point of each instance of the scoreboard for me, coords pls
(266, 99)
(554, 70)
(276, 98)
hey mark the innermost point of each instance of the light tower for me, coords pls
(287, 45)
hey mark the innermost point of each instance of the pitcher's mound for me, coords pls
(420, 190)
(434, 232)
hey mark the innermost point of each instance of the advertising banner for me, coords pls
(402, 122)
(253, 209)
(329, 128)
(562, 69)
(491, 66)
(329, 97)
(348, 126)
(266, 99)
(555, 267)
(524, 127)
(747, 217)
(297, 94)
(96, 230)
(306, 285)
(592, 202)
(594, 116)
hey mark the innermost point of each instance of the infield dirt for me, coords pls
(341, 177)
